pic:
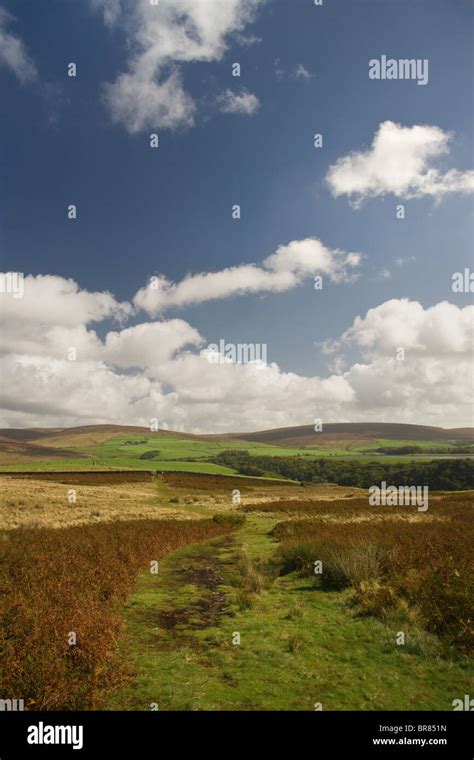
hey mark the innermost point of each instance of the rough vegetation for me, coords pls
(69, 585)
(393, 561)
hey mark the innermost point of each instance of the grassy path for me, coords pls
(298, 645)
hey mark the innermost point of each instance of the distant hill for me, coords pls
(298, 434)
(84, 435)
(14, 450)
(304, 435)
(22, 445)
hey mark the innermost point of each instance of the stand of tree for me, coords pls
(443, 474)
(458, 450)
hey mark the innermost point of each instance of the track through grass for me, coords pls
(298, 645)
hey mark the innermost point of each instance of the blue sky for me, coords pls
(143, 212)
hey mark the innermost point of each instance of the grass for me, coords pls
(225, 569)
(55, 500)
(286, 660)
(393, 560)
(44, 502)
(122, 451)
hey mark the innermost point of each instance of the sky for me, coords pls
(119, 305)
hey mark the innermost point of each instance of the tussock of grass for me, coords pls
(249, 578)
(296, 612)
(342, 566)
(423, 563)
(295, 643)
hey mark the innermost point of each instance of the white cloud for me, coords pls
(297, 72)
(238, 102)
(160, 369)
(13, 53)
(148, 344)
(399, 161)
(53, 300)
(151, 93)
(40, 390)
(247, 40)
(431, 384)
(440, 331)
(140, 101)
(288, 267)
(53, 316)
(430, 391)
(301, 72)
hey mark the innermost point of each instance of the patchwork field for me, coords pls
(196, 591)
(121, 447)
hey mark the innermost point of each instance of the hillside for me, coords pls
(14, 450)
(333, 433)
(129, 446)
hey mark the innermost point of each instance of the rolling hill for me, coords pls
(129, 446)
(133, 447)
(304, 435)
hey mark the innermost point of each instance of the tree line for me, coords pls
(442, 474)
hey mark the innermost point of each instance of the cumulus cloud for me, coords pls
(161, 370)
(288, 267)
(13, 53)
(54, 300)
(40, 390)
(238, 102)
(431, 382)
(55, 313)
(438, 331)
(190, 394)
(430, 391)
(151, 94)
(147, 345)
(400, 161)
(53, 316)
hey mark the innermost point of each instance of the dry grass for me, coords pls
(353, 507)
(194, 481)
(43, 501)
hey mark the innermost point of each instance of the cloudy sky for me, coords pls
(119, 305)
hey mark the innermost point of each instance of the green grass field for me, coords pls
(191, 455)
